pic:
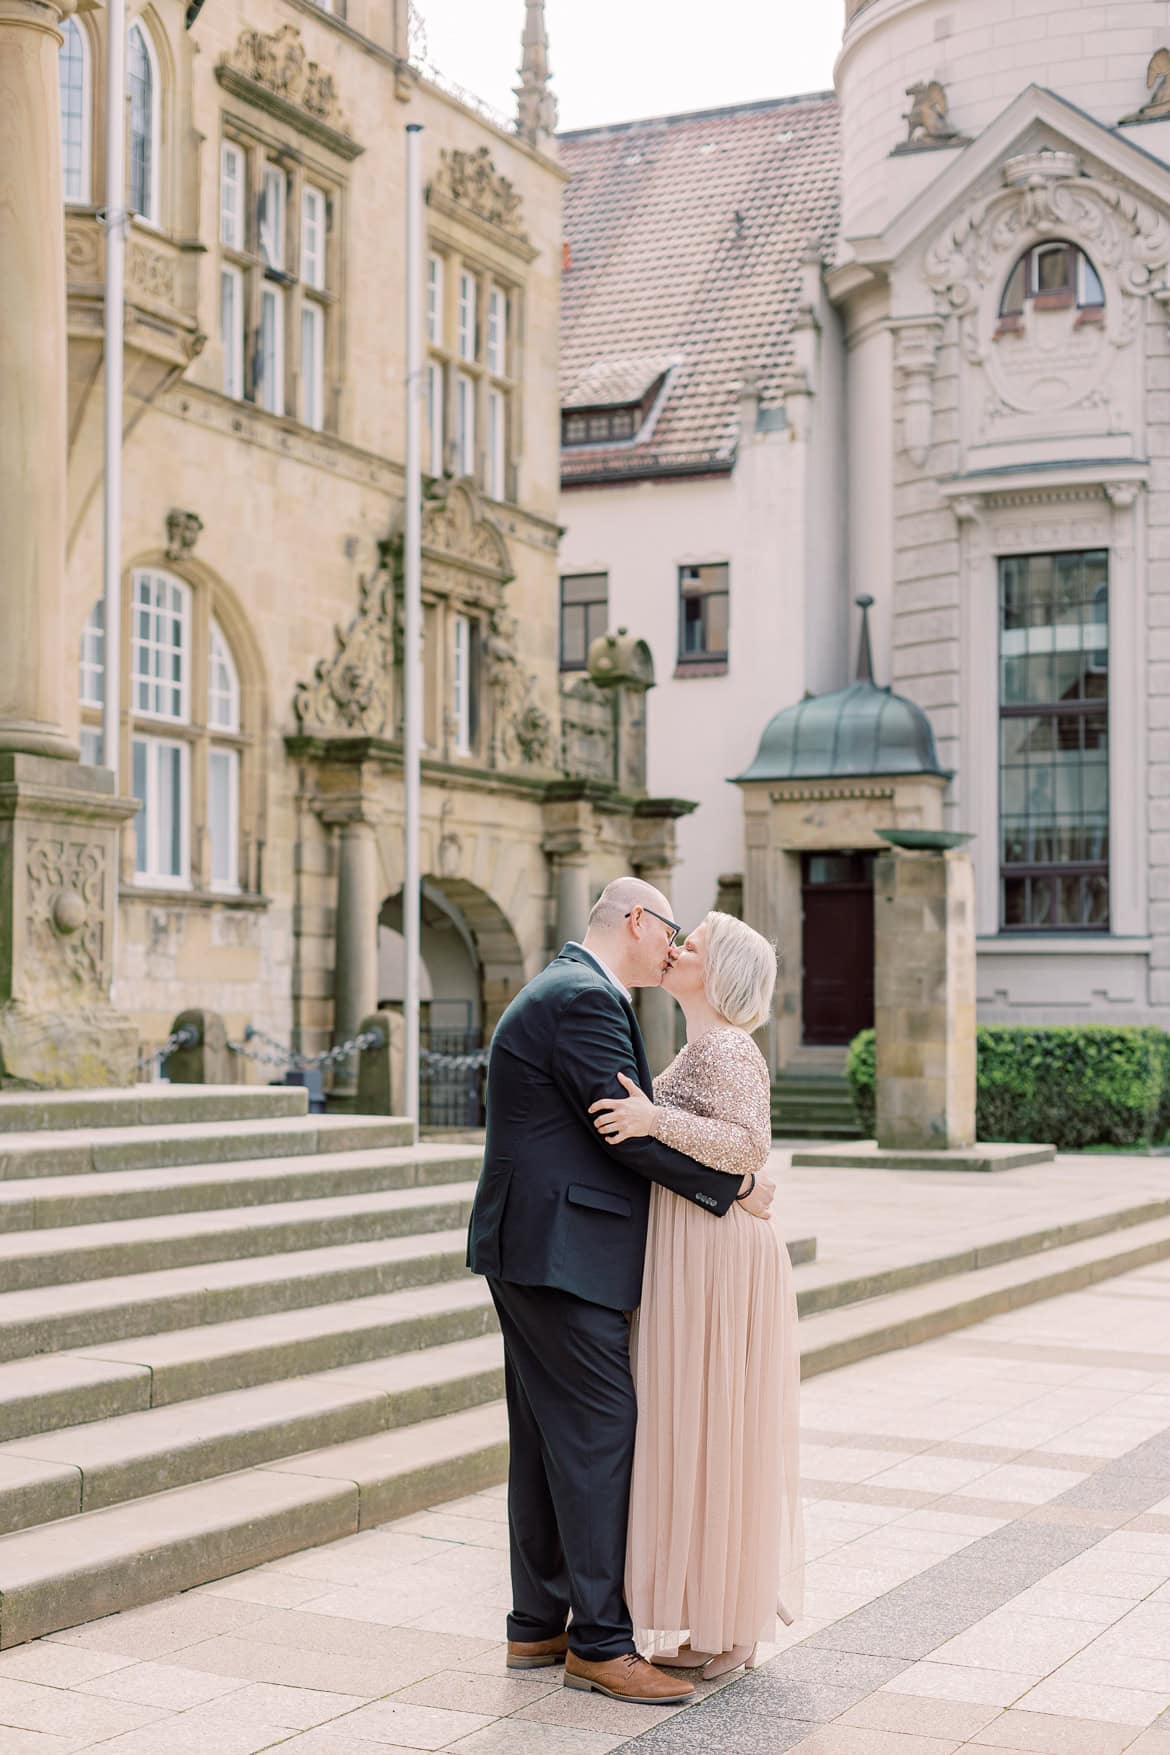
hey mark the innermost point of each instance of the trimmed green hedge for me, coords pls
(1072, 1085)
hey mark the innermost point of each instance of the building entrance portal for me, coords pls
(837, 945)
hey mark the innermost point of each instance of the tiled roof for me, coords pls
(685, 239)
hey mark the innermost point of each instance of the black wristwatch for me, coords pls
(749, 1190)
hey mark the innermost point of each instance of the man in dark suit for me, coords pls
(559, 1229)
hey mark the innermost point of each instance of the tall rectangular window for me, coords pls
(312, 365)
(231, 195)
(271, 228)
(465, 423)
(435, 300)
(76, 120)
(703, 613)
(584, 613)
(93, 657)
(1054, 742)
(496, 445)
(159, 646)
(467, 315)
(461, 684)
(231, 328)
(497, 331)
(313, 212)
(270, 360)
(435, 418)
(223, 791)
(159, 781)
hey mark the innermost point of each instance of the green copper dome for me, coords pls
(860, 730)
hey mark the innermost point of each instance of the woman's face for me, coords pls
(688, 973)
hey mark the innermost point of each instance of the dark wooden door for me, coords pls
(837, 896)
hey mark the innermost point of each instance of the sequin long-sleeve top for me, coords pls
(714, 1102)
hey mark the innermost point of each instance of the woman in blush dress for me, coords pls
(716, 1537)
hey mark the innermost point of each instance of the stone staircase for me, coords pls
(811, 1099)
(228, 1330)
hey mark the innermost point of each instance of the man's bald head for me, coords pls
(618, 898)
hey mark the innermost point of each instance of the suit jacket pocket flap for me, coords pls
(601, 1198)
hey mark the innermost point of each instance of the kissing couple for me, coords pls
(647, 1308)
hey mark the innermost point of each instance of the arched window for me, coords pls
(76, 111)
(185, 754)
(145, 98)
(1052, 277)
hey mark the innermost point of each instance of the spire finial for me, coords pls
(864, 650)
(536, 106)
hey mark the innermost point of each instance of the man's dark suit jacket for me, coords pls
(556, 1205)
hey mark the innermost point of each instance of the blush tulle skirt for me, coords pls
(716, 1540)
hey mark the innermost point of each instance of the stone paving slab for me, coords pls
(989, 1568)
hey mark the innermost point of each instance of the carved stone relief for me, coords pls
(183, 532)
(1157, 105)
(350, 692)
(469, 180)
(66, 912)
(275, 71)
(928, 121)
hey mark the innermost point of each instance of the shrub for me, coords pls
(1073, 1085)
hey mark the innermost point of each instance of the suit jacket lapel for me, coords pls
(575, 955)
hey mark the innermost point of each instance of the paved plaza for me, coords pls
(989, 1568)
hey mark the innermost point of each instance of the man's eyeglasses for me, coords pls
(672, 925)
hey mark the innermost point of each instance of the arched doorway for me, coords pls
(471, 967)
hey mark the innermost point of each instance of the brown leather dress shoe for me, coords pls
(537, 1654)
(628, 1678)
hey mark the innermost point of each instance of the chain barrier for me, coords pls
(431, 1060)
(185, 1037)
(274, 1053)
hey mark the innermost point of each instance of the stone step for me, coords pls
(49, 1391)
(47, 1152)
(63, 1573)
(53, 1319)
(841, 1336)
(155, 1105)
(43, 1201)
(48, 1476)
(67, 1254)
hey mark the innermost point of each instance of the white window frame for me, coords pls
(314, 222)
(272, 224)
(93, 657)
(270, 387)
(233, 344)
(465, 422)
(156, 681)
(436, 412)
(497, 444)
(468, 299)
(233, 182)
(497, 331)
(150, 209)
(151, 875)
(313, 365)
(223, 703)
(461, 683)
(435, 268)
(231, 761)
(76, 31)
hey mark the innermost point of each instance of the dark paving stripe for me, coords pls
(830, 1671)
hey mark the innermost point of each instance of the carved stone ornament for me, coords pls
(469, 182)
(927, 120)
(455, 533)
(66, 910)
(151, 272)
(521, 729)
(1157, 105)
(183, 531)
(274, 71)
(915, 354)
(350, 693)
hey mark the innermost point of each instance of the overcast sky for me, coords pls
(614, 60)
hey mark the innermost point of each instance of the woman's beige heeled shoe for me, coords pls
(724, 1662)
(683, 1659)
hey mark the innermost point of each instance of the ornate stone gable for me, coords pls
(1056, 362)
(350, 694)
(466, 186)
(274, 72)
(455, 534)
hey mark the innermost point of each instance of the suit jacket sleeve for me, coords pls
(592, 1046)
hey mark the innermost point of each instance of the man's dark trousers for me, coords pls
(571, 1415)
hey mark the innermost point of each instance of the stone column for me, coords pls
(34, 672)
(572, 896)
(924, 999)
(355, 974)
(59, 822)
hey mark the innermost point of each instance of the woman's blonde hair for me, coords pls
(741, 971)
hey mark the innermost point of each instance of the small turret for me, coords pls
(536, 106)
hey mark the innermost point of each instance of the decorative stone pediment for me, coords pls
(274, 72)
(468, 187)
(350, 693)
(456, 534)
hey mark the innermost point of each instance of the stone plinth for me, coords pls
(59, 827)
(868, 1155)
(924, 999)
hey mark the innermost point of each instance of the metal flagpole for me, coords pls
(412, 661)
(115, 228)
